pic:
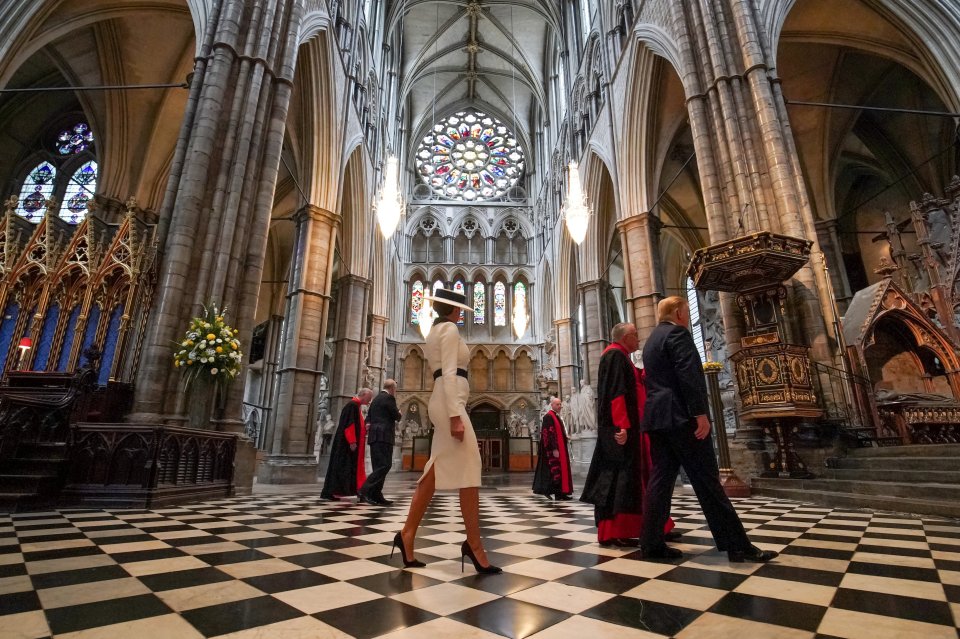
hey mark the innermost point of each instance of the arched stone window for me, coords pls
(469, 244)
(479, 303)
(499, 304)
(458, 287)
(413, 371)
(427, 242)
(416, 302)
(510, 246)
(66, 170)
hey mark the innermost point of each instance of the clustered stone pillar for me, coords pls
(640, 239)
(353, 298)
(567, 365)
(215, 217)
(593, 296)
(749, 167)
(290, 450)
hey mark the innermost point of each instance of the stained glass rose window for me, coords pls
(470, 156)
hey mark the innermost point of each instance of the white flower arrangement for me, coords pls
(209, 350)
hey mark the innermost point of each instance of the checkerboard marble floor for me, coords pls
(294, 566)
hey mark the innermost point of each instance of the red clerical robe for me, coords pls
(346, 471)
(552, 476)
(618, 474)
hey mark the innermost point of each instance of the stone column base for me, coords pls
(244, 467)
(287, 469)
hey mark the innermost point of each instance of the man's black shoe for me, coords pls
(383, 501)
(563, 498)
(751, 554)
(673, 535)
(363, 499)
(621, 542)
(661, 552)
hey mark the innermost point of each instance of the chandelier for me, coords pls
(577, 211)
(390, 206)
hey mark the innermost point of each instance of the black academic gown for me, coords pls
(552, 476)
(613, 483)
(346, 471)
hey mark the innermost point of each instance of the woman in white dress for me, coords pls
(454, 456)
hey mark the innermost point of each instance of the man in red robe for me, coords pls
(346, 471)
(552, 476)
(621, 460)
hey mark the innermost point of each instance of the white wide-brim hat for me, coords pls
(446, 296)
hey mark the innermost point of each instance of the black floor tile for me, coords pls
(582, 559)
(184, 578)
(649, 616)
(953, 595)
(19, 602)
(893, 571)
(394, 583)
(510, 618)
(894, 606)
(232, 557)
(773, 611)
(870, 546)
(603, 581)
(62, 553)
(322, 558)
(73, 577)
(824, 553)
(104, 613)
(290, 580)
(266, 542)
(502, 584)
(146, 555)
(239, 615)
(705, 578)
(803, 575)
(374, 618)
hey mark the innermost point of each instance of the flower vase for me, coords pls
(202, 401)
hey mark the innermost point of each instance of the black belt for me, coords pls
(462, 372)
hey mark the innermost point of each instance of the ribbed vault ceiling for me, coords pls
(489, 54)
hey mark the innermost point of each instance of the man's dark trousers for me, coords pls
(381, 458)
(671, 449)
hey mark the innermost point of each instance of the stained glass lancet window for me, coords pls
(470, 156)
(80, 189)
(479, 302)
(436, 285)
(416, 302)
(458, 288)
(37, 189)
(499, 304)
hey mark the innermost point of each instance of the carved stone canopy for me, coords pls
(746, 263)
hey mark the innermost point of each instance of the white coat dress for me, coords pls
(456, 464)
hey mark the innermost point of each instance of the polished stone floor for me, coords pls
(283, 564)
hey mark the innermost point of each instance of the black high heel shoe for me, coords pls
(398, 543)
(467, 551)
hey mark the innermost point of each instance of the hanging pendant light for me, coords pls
(390, 206)
(577, 211)
(520, 321)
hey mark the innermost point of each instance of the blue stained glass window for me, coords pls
(416, 302)
(37, 189)
(80, 189)
(110, 344)
(7, 324)
(46, 337)
(499, 304)
(64, 359)
(75, 140)
(459, 288)
(479, 302)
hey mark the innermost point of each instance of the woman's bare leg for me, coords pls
(418, 506)
(470, 511)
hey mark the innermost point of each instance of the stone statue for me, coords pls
(587, 407)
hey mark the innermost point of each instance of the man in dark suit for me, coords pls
(676, 419)
(382, 421)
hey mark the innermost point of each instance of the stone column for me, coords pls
(828, 233)
(594, 329)
(640, 238)
(750, 170)
(376, 360)
(566, 368)
(346, 376)
(215, 218)
(290, 456)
